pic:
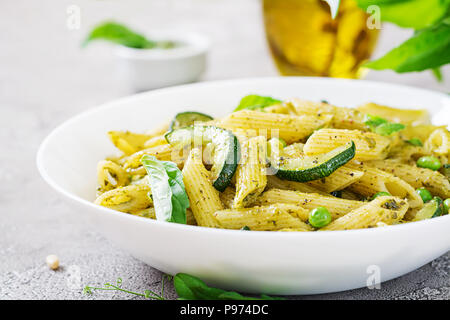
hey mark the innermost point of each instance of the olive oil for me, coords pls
(305, 40)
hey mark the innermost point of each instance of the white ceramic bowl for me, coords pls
(269, 262)
(157, 68)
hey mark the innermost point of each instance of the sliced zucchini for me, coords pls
(188, 118)
(432, 209)
(316, 167)
(225, 149)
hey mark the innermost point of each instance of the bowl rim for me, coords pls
(184, 227)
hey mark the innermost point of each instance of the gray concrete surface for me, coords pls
(45, 79)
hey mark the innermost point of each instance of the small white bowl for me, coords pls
(147, 69)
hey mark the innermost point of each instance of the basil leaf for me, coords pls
(386, 129)
(427, 49)
(255, 101)
(415, 142)
(416, 14)
(373, 121)
(168, 192)
(183, 284)
(437, 74)
(192, 288)
(382, 126)
(117, 33)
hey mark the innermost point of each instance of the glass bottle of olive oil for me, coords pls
(305, 40)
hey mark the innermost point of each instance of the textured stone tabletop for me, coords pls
(45, 78)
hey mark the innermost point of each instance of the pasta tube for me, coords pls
(337, 207)
(126, 199)
(405, 116)
(382, 209)
(203, 197)
(368, 145)
(266, 218)
(434, 181)
(110, 175)
(288, 127)
(251, 173)
(375, 180)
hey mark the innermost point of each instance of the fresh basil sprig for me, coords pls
(187, 287)
(192, 288)
(416, 14)
(382, 126)
(168, 191)
(255, 102)
(120, 34)
(427, 49)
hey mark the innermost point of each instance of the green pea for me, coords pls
(319, 217)
(245, 228)
(446, 205)
(429, 162)
(380, 194)
(424, 194)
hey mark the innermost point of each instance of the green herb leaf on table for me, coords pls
(168, 191)
(192, 288)
(148, 294)
(416, 14)
(254, 102)
(427, 49)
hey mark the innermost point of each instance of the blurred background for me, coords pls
(46, 78)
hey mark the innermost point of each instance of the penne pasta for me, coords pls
(375, 180)
(417, 177)
(161, 152)
(405, 116)
(128, 142)
(369, 145)
(288, 127)
(204, 199)
(266, 218)
(382, 209)
(126, 199)
(227, 197)
(438, 142)
(338, 180)
(251, 176)
(277, 183)
(110, 175)
(337, 207)
(343, 118)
